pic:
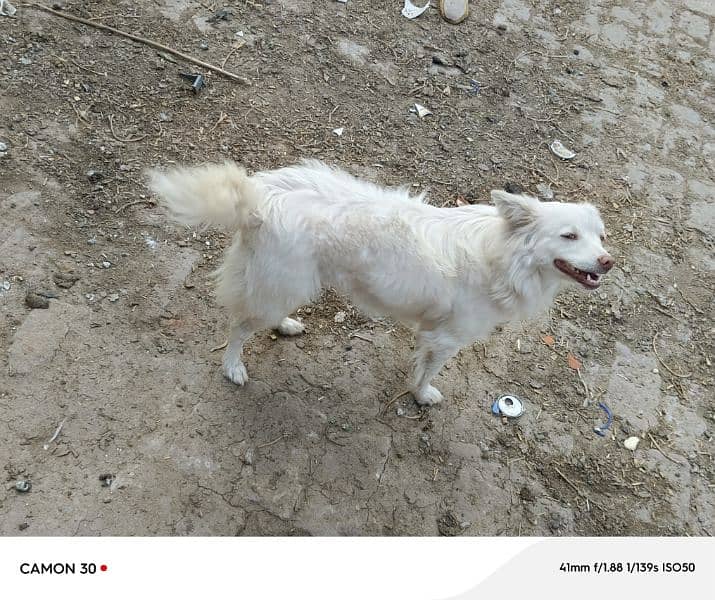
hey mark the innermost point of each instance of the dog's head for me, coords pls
(565, 238)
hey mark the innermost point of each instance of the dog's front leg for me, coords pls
(233, 367)
(432, 350)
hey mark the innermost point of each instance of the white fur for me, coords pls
(451, 273)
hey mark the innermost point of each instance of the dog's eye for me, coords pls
(569, 236)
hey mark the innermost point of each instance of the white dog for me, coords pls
(452, 273)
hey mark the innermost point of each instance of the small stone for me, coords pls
(23, 486)
(248, 456)
(106, 479)
(545, 191)
(513, 188)
(527, 494)
(23, 526)
(556, 522)
(65, 280)
(340, 317)
(631, 443)
(204, 45)
(454, 11)
(113, 297)
(34, 300)
(94, 176)
(106, 264)
(447, 525)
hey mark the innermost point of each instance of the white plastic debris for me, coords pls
(411, 11)
(4, 286)
(508, 406)
(422, 111)
(151, 242)
(8, 10)
(545, 191)
(339, 131)
(3, 149)
(561, 151)
(631, 443)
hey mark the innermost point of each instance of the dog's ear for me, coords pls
(517, 210)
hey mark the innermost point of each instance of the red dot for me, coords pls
(103, 567)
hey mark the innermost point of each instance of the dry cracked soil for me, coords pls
(154, 441)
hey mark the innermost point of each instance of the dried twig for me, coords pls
(587, 401)
(677, 462)
(665, 366)
(278, 439)
(116, 137)
(236, 47)
(57, 432)
(76, 64)
(221, 347)
(571, 483)
(394, 399)
(141, 40)
(689, 301)
(128, 204)
(222, 117)
(361, 337)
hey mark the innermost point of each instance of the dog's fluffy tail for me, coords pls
(215, 194)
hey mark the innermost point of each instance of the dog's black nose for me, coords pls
(606, 261)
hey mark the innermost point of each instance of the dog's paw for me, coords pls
(428, 396)
(235, 370)
(291, 327)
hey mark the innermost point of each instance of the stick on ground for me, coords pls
(142, 40)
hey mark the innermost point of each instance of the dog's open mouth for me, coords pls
(585, 278)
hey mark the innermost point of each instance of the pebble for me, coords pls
(545, 191)
(23, 486)
(204, 45)
(631, 443)
(340, 317)
(34, 300)
(106, 479)
(94, 176)
(248, 456)
(113, 297)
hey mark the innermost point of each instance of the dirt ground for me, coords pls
(156, 442)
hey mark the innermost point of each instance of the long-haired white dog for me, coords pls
(452, 273)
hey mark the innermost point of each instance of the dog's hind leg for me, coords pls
(432, 350)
